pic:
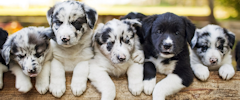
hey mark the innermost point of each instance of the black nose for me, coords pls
(167, 46)
(32, 70)
(121, 58)
(65, 39)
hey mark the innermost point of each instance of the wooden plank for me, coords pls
(213, 89)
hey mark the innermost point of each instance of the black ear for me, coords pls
(190, 29)
(47, 33)
(195, 38)
(230, 37)
(7, 48)
(98, 34)
(49, 15)
(91, 15)
(3, 37)
(147, 25)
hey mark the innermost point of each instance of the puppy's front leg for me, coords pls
(79, 78)
(226, 71)
(135, 78)
(3, 68)
(149, 80)
(57, 79)
(200, 71)
(23, 83)
(42, 80)
(169, 85)
(101, 80)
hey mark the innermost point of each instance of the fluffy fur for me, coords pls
(28, 54)
(72, 23)
(3, 66)
(211, 50)
(118, 50)
(166, 39)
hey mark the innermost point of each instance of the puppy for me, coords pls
(72, 23)
(117, 48)
(30, 54)
(237, 55)
(211, 50)
(166, 39)
(3, 66)
(139, 17)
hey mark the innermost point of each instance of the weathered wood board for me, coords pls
(214, 89)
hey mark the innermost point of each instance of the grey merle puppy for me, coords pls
(28, 54)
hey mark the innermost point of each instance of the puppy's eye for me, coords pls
(159, 31)
(177, 33)
(58, 22)
(38, 55)
(21, 56)
(110, 43)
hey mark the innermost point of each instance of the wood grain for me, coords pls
(213, 89)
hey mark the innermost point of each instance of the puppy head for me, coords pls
(28, 47)
(211, 43)
(134, 15)
(116, 39)
(69, 21)
(168, 33)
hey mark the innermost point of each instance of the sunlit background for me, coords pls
(16, 14)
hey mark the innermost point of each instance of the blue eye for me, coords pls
(21, 56)
(58, 22)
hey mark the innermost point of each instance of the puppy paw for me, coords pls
(138, 57)
(78, 88)
(226, 72)
(149, 86)
(136, 89)
(57, 89)
(23, 86)
(42, 87)
(202, 73)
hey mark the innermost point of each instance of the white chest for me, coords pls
(161, 67)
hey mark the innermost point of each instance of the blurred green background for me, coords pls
(16, 14)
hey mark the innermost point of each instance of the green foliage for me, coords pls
(231, 3)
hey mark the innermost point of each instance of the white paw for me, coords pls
(149, 86)
(136, 89)
(78, 88)
(226, 72)
(42, 87)
(138, 57)
(23, 86)
(202, 73)
(57, 89)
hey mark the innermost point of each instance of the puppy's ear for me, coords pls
(7, 49)
(132, 22)
(230, 37)
(97, 34)
(147, 25)
(3, 37)
(91, 15)
(190, 29)
(47, 33)
(49, 15)
(195, 38)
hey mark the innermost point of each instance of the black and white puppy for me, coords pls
(72, 23)
(211, 50)
(117, 52)
(28, 54)
(139, 16)
(3, 66)
(237, 55)
(166, 51)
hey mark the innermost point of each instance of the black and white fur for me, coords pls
(139, 16)
(72, 23)
(166, 51)
(3, 65)
(28, 54)
(117, 52)
(237, 55)
(211, 50)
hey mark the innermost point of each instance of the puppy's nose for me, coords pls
(167, 46)
(213, 60)
(32, 71)
(65, 38)
(121, 58)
